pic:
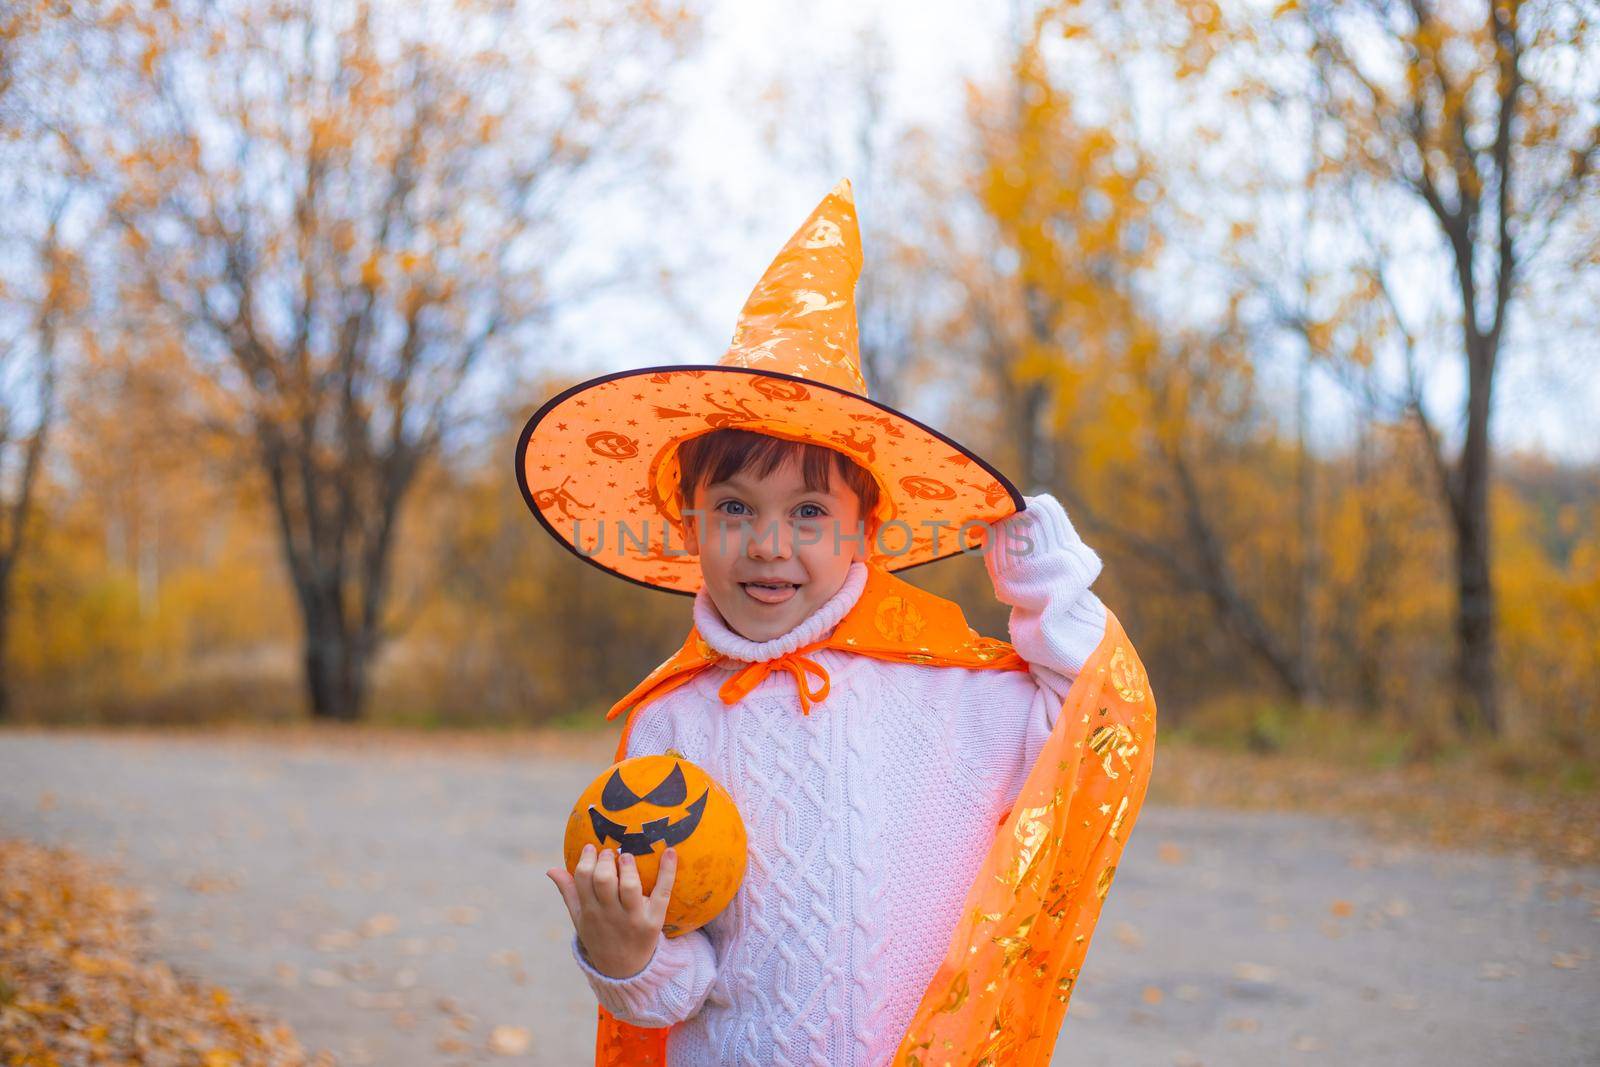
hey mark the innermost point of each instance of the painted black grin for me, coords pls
(643, 840)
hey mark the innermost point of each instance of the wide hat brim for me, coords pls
(597, 465)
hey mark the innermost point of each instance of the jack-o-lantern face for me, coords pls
(643, 806)
(925, 488)
(617, 797)
(612, 445)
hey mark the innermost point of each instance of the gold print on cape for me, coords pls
(1116, 823)
(1126, 677)
(1015, 944)
(897, 620)
(1033, 827)
(1113, 740)
(957, 995)
(1002, 1044)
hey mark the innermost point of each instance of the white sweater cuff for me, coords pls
(661, 994)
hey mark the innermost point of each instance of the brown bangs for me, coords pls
(719, 455)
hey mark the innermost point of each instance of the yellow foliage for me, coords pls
(1548, 606)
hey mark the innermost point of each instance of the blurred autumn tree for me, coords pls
(338, 213)
(1483, 119)
(1170, 190)
(41, 291)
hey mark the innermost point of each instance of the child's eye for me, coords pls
(811, 511)
(732, 504)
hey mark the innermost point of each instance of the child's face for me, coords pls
(752, 530)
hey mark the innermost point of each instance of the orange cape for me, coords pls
(1001, 992)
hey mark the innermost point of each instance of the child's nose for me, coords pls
(772, 540)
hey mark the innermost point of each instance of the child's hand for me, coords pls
(617, 924)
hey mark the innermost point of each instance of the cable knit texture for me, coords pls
(867, 818)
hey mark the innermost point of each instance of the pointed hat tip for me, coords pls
(843, 192)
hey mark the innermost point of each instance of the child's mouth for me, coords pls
(770, 592)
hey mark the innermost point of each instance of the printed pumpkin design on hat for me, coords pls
(598, 463)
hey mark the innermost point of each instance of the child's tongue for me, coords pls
(767, 594)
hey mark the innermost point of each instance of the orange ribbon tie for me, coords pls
(796, 663)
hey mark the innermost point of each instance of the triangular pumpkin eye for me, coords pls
(672, 790)
(616, 796)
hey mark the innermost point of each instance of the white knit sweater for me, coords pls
(867, 819)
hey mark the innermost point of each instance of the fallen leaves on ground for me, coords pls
(77, 984)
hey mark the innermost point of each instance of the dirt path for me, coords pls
(388, 900)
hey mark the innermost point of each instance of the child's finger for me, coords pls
(605, 879)
(630, 892)
(662, 893)
(583, 875)
(568, 890)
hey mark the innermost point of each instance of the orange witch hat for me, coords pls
(597, 463)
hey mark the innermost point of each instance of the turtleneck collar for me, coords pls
(812, 628)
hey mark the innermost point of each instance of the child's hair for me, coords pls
(717, 456)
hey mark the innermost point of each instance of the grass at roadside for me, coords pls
(1403, 782)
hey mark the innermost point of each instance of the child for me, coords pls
(934, 817)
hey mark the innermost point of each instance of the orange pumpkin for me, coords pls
(644, 804)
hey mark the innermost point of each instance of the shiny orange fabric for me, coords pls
(1002, 990)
